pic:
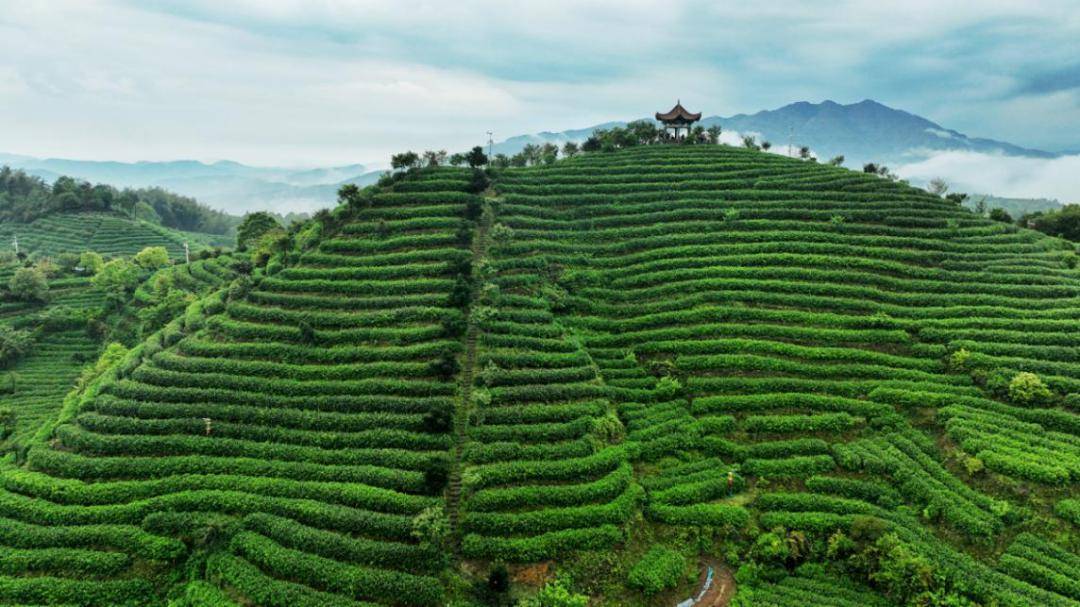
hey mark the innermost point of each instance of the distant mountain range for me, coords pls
(863, 132)
(231, 186)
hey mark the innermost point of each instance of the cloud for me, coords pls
(336, 81)
(1052, 81)
(1008, 176)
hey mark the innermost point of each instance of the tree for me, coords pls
(980, 207)
(253, 227)
(434, 158)
(804, 152)
(642, 132)
(836, 160)
(592, 144)
(955, 198)
(531, 154)
(28, 284)
(766, 146)
(476, 157)
(14, 343)
(404, 161)
(152, 258)
(937, 186)
(91, 262)
(457, 159)
(999, 214)
(569, 149)
(549, 153)
(870, 167)
(500, 161)
(714, 133)
(750, 142)
(117, 278)
(1064, 223)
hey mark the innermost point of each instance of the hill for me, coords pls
(106, 233)
(237, 188)
(619, 362)
(862, 132)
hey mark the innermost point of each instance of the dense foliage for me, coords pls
(24, 198)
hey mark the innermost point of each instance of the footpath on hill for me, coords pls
(722, 589)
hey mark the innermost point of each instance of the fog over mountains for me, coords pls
(862, 132)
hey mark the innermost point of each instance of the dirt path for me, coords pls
(723, 586)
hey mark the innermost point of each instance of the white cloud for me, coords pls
(1008, 176)
(305, 82)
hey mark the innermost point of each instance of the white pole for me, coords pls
(187, 253)
(490, 142)
(16, 244)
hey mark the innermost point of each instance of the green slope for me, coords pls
(107, 234)
(575, 360)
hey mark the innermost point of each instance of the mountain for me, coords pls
(867, 131)
(640, 369)
(231, 186)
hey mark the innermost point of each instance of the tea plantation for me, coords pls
(460, 385)
(105, 233)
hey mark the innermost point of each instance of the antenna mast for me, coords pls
(490, 142)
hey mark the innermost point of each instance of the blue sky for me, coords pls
(325, 82)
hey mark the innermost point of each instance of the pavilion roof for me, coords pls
(678, 113)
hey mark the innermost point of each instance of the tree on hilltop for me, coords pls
(253, 227)
(570, 149)
(937, 186)
(714, 133)
(434, 158)
(476, 157)
(404, 161)
(549, 153)
(750, 142)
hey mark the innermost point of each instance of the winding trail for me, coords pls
(722, 589)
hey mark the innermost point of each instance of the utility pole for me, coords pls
(790, 138)
(491, 141)
(187, 253)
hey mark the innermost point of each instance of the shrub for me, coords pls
(7, 421)
(660, 569)
(1028, 389)
(91, 262)
(28, 284)
(152, 258)
(14, 343)
(555, 594)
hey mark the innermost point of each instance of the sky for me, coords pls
(323, 82)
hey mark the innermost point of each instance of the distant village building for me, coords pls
(677, 122)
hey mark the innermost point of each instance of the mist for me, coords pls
(1008, 176)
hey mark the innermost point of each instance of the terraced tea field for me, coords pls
(109, 235)
(690, 345)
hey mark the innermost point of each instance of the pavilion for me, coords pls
(677, 121)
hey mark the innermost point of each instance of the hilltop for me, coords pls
(592, 376)
(867, 131)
